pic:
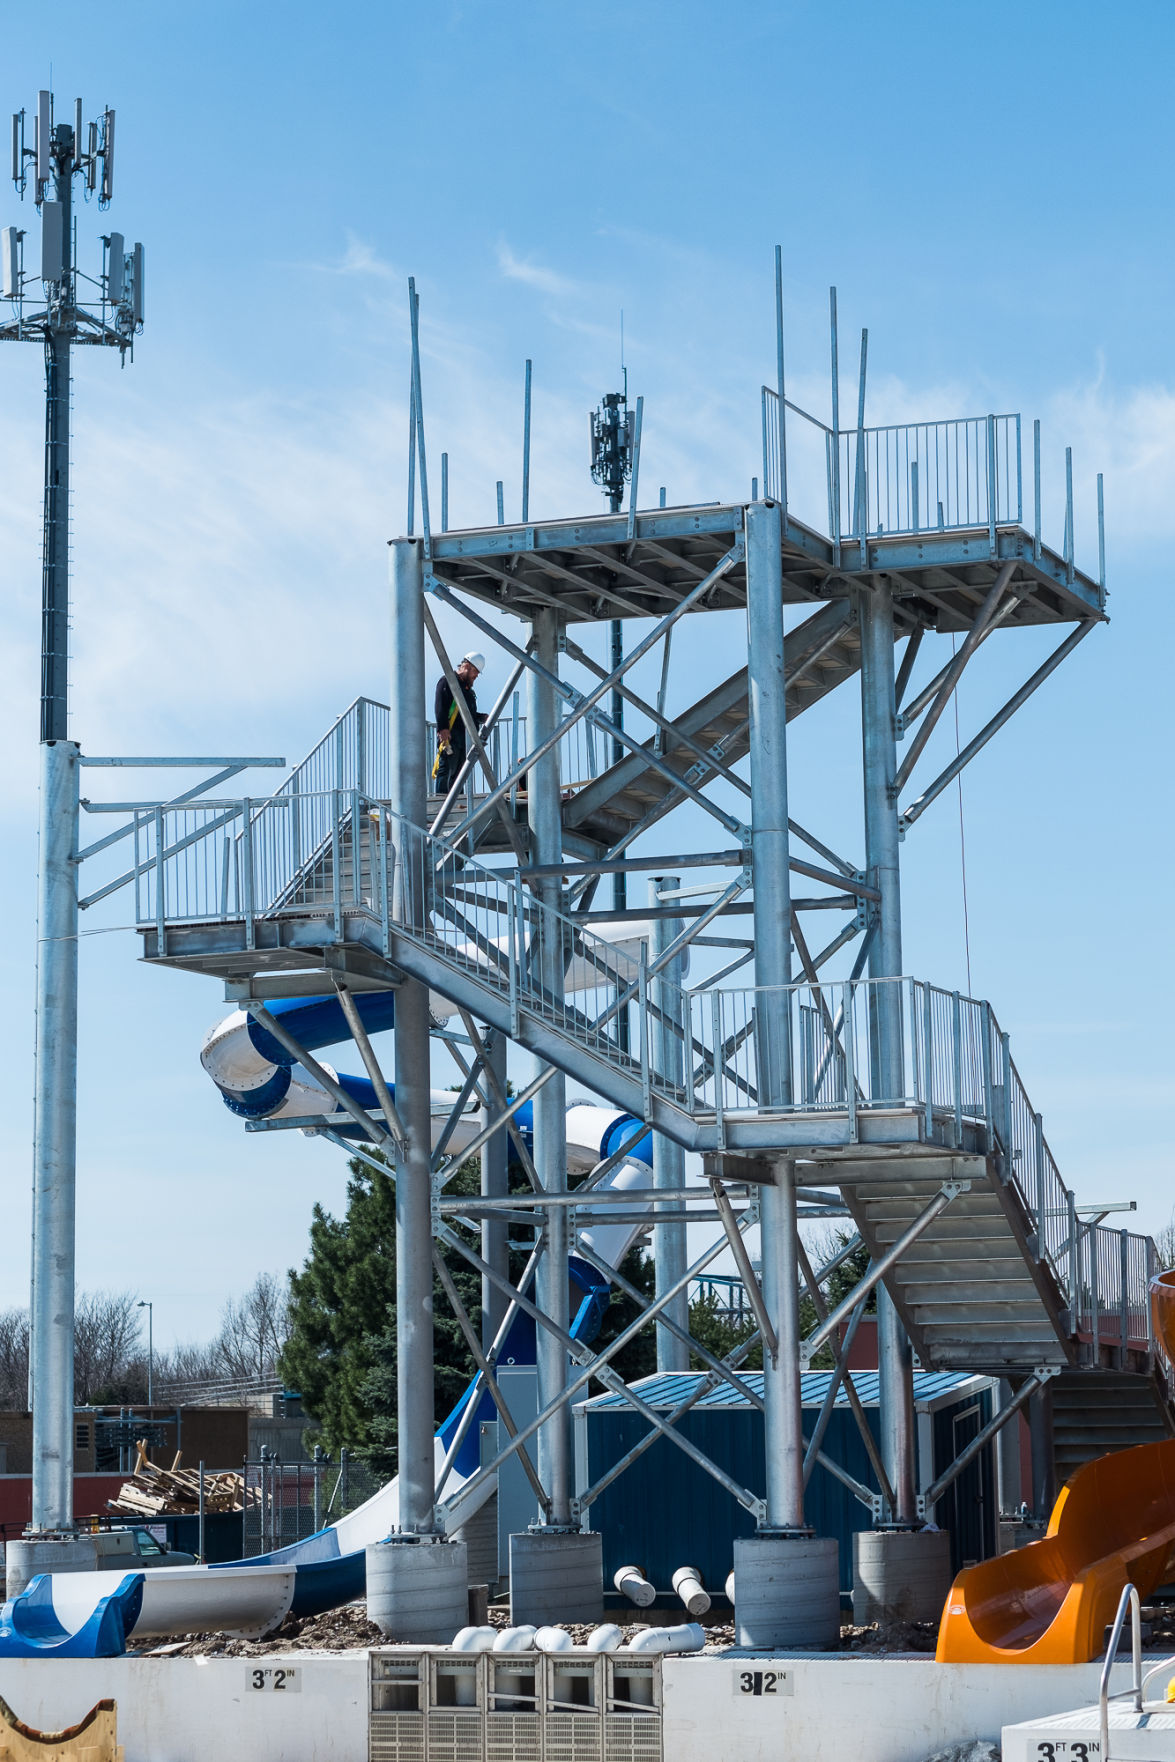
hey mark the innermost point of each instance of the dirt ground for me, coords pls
(343, 1630)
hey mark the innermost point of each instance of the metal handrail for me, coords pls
(338, 852)
(1128, 1600)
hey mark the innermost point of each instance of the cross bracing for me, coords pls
(852, 1091)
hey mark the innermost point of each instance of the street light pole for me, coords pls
(150, 1308)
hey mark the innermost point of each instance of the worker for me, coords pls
(450, 723)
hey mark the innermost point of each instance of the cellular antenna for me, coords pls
(58, 306)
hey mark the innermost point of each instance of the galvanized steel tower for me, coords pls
(68, 308)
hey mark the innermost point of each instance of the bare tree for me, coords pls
(1165, 1243)
(254, 1328)
(108, 1362)
(14, 1359)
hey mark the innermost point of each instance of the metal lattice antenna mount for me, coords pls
(71, 308)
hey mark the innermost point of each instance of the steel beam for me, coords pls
(879, 747)
(415, 1417)
(55, 1140)
(767, 696)
(543, 806)
(669, 1239)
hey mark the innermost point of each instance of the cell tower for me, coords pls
(612, 446)
(65, 307)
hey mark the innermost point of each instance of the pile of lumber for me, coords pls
(158, 1492)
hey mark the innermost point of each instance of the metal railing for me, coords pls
(904, 478)
(805, 1049)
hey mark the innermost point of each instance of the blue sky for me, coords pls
(988, 186)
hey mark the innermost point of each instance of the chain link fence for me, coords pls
(287, 1501)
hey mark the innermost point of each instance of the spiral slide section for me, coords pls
(257, 1080)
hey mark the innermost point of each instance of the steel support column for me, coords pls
(769, 855)
(879, 740)
(669, 1239)
(414, 1273)
(550, 1104)
(495, 1184)
(54, 1140)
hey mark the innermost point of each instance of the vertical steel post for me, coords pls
(669, 1239)
(414, 1276)
(495, 1184)
(781, 407)
(879, 741)
(772, 922)
(54, 1139)
(55, 1084)
(619, 879)
(526, 449)
(550, 1104)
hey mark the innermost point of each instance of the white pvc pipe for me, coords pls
(729, 1586)
(475, 1639)
(689, 1637)
(515, 1639)
(553, 1639)
(631, 1582)
(687, 1582)
(605, 1638)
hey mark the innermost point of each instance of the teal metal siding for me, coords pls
(665, 1511)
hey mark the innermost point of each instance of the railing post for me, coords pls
(1036, 489)
(1074, 1261)
(928, 1057)
(1124, 1250)
(247, 869)
(957, 1031)
(992, 484)
(336, 846)
(850, 1036)
(1070, 540)
(985, 1056)
(1019, 476)
(643, 1011)
(1006, 1109)
(361, 747)
(716, 1032)
(1038, 1159)
(160, 871)
(1092, 1235)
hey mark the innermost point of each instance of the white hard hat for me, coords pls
(475, 660)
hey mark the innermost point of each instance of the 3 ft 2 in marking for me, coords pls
(284, 1679)
(762, 1682)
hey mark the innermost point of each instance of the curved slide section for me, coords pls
(258, 1079)
(1050, 1602)
(1114, 1523)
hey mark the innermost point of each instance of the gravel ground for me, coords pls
(343, 1630)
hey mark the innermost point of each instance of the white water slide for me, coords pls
(258, 1079)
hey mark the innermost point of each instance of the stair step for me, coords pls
(966, 1291)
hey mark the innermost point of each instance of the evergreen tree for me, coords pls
(341, 1350)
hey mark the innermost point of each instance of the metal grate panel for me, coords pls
(574, 1737)
(632, 1737)
(514, 1737)
(455, 1737)
(396, 1737)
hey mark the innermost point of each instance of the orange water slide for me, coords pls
(1114, 1522)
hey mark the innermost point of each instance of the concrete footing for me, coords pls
(418, 1588)
(787, 1592)
(556, 1576)
(900, 1575)
(25, 1558)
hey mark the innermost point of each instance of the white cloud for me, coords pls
(533, 274)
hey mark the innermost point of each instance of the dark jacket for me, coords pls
(444, 717)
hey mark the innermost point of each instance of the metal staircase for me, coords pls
(1005, 1279)
(1096, 1411)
